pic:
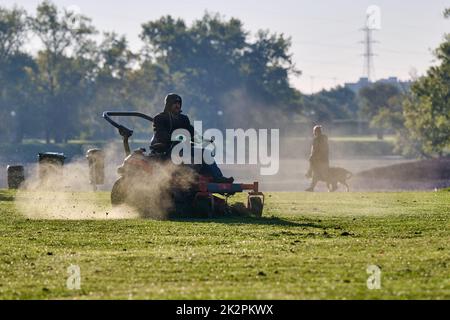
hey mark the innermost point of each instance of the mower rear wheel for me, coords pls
(204, 207)
(255, 205)
(119, 192)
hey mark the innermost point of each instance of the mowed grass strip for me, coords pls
(307, 246)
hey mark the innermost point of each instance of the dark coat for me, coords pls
(319, 158)
(165, 123)
(319, 150)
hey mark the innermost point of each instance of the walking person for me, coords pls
(319, 159)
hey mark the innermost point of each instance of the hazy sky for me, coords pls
(325, 34)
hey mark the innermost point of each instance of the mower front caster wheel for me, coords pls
(119, 192)
(255, 205)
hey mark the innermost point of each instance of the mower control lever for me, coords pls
(124, 131)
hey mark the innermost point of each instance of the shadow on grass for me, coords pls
(6, 195)
(234, 219)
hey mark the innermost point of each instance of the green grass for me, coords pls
(307, 246)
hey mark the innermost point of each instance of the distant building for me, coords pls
(364, 82)
(355, 87)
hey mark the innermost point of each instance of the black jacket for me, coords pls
(165, 123)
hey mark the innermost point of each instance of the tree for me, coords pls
(265, 95)
(390, 117)
(427, 109)
(267, 66)
(327, 105)
(218, 70)
(64, 66)
(225, 77)
(201, 61)
(378, 100)
(19, 97)
(16, 91)
(113, 88)
(13, 28)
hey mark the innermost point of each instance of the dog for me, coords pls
(337, 175)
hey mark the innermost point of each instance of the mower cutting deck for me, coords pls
(203, 197)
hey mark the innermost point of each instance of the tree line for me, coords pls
(226, 76)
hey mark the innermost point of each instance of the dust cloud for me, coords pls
(65, 193)
(150, 193)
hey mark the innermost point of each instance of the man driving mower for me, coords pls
(171, 119)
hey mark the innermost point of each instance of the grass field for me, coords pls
(307, 246)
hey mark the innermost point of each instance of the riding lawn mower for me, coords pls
(201, 198)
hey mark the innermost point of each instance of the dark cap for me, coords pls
(172, 98)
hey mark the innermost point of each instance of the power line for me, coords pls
(341, 63)
(319, 44)
(405, 52)
(330, 45)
